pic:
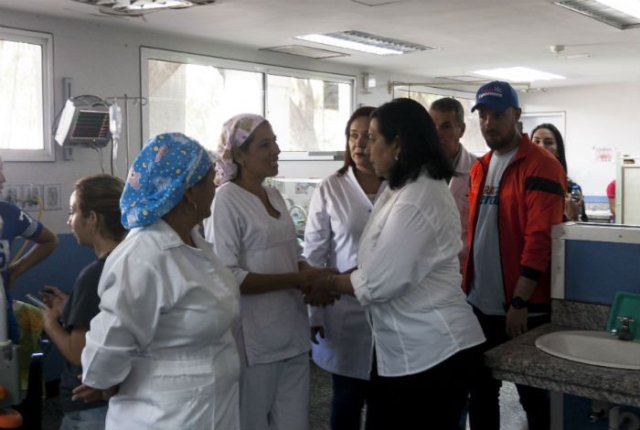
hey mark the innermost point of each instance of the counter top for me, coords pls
(520, 361)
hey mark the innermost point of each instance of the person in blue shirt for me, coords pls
(14, 223)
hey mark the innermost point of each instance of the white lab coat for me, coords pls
(163, 334)
(274, 325)
(409, 280)
(338, 212)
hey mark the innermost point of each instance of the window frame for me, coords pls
(445, 92)
(45, 41)
(150, 53)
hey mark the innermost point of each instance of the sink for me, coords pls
(598, 348)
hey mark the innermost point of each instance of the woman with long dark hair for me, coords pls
(338, 212)
(408, 279)
(548, 136)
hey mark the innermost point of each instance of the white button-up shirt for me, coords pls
(164, 334)
(274, 325)
(338, 212)
(408, 279)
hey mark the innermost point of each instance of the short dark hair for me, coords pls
(358, 113)
(449, 104)
(562, 158)
(409, 122)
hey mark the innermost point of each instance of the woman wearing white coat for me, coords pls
(408, 279)
(340, 333)
(162, 337)
(254, 235)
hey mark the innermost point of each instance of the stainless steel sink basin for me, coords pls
(591, 347)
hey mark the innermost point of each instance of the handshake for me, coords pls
(317, 286)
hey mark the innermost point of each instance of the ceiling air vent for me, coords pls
(305, 51)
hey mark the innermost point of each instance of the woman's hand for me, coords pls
(309, 275)
(88, 394)
(572, 208)
(316, 330)
(55, 298)
(320, 292)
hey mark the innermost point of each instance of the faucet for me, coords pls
(624, 332)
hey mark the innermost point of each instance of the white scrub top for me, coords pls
(163, 334)
(273, 326)
(408, 279)
(338, 212)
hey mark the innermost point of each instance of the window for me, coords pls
(26, 88)
(308, 114)
(195, 94)
(472, 138)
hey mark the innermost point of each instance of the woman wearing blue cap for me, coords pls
(163, 336)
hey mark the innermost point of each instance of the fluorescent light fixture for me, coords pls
(630, 7)
(364, 42)
(140, 7)
(621, 14)
(158, 4)
(518, 74)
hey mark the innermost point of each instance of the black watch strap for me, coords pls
(519, 303)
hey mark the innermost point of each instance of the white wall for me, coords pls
(602, 116)
(104, 59)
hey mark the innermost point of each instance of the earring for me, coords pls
(397, 157)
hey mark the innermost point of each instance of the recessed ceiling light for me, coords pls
(518, 74)
(365, 42)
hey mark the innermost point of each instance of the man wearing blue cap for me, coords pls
(516, 195)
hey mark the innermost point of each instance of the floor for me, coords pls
(512, 415)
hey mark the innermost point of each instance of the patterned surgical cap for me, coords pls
(234, 133)
(167, 166)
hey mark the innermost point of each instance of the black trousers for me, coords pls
(349, 398)
(484, 406)
(432, 399)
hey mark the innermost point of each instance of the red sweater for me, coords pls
(531, 200)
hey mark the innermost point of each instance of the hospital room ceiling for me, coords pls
(466, 35)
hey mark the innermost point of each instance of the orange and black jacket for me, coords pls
(531, 200)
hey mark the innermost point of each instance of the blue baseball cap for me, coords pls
(496, 95)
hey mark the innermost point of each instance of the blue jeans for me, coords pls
(86, 419)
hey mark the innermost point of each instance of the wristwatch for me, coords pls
(519, 303)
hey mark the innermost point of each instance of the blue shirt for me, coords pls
(14, 222)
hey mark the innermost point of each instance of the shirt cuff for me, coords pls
(359, 284)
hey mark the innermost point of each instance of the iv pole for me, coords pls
(126, 99)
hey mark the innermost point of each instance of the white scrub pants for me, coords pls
(275, 396)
